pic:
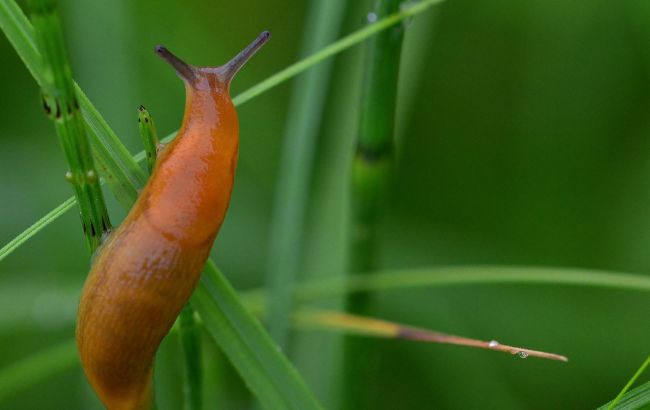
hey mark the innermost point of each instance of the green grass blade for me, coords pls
(36, 227)
(346, 42)
(636, 399)
(635, 376)
(292, 190)
(249, 347)
(19, 32)
(36, 368)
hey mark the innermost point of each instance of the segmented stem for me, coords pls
(370, 175)
(61, 105)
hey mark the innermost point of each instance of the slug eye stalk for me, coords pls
(225, 72)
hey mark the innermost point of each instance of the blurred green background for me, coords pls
(524, 138)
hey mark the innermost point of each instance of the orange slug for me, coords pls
(146, 271)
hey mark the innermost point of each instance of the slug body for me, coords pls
(146, 271)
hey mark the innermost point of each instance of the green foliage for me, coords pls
(522, 139)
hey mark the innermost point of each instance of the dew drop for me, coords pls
(371, 17)
(69, 176)
(493, 343)
(91, 176)
(523, 355)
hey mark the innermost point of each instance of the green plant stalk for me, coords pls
(189, 330)
(62, 107)
(122, 173)
(292, 192)
(371, 173)
(149, 136)
(629, 384)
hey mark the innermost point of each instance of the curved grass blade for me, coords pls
(636, 399)
(637, 374)
(19, 32)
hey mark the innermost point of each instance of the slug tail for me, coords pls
(141, 398)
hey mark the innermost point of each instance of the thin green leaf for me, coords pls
(636, 399)
(292, 189)
(36, 227)
(629, 384)
(247, 344)
(457, 276)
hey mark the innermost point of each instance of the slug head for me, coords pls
(210, 77)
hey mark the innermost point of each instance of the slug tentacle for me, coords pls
(146, 271)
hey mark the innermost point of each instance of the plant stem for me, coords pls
(370, 176)
(292, 192)
(62, 107)
(189, 329)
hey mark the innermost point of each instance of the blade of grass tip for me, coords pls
(362, 325)
(636, 399)
(62, 107)
(127, 175)
(37, 368)
(371, 173)
(629, 384)
(292, 191)
(188, 328)
(148, 135)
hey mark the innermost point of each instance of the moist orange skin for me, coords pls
(145, 273)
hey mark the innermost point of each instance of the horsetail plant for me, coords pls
(370, 176)
(62, 107)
